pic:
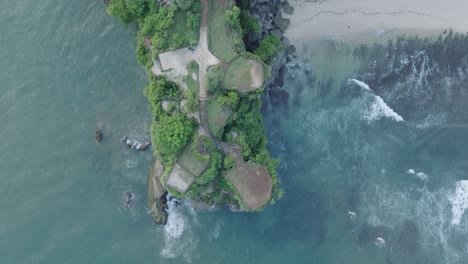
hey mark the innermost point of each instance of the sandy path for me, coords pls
(373, 18)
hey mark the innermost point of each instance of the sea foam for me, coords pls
(459, 201)
(179, 239)
(378, 107)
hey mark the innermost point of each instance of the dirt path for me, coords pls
(206, 59)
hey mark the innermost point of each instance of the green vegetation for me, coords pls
(170, 134)
(234, 28)
(192, 84)
(229, 100)
(241, 73)
(269, 46)
(161, 27)
(219, 41)
(248, 23)
(197, 159)
(215, 76)
(217, 116)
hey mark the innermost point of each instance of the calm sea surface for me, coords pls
(373, 168)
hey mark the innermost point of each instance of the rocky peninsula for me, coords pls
(209, 63)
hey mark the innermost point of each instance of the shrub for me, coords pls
(230, 100)
(228, 163)
(268, 48)
(120, 10)
(249, 23)
(193, 20)
(178, 40)
(184, 4)
(170, 134)
(215, 76)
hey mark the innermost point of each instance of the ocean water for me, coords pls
(373, 153)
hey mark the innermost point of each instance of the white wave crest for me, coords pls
(410, 171)
(422, 176)
(380, 242)
(352, 215)
(378, 107)
(362, 84)
(459, 201)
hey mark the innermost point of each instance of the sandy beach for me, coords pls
(373, 19)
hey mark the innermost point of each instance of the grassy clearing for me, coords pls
(219, 41)
(189, 35)
(244, 75)
(217, 116)
(192, 163)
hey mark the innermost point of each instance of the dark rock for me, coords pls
(157, 201)
(279, 99)
(290, 49)
(158, 210)
(129, 198)
(275, 32)
(98, 135)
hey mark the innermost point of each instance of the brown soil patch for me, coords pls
(253, 182)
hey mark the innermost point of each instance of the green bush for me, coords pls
(210, 174)
(249, 23)
(121, 10)
(228, 163)
(230, 100)
(215, 76)
(184, 4)
(268, 48)
(170, 134)
(159, 41)
(143, 55)
(178, 40)
(193, 20)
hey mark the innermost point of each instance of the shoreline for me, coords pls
(370, 21)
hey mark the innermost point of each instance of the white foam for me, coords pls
(361, 84)
(422, 176)
(179, 239)
(410, 171)
(459, 201)
(352, 215)
(378, 107)
(380, 242)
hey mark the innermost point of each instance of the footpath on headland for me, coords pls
(252, 182)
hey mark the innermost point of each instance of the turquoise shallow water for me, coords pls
(68, 68)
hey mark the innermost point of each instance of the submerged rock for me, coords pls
(128, 199)
(98, 135)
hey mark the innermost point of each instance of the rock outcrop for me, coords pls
(269, 15)
(157, 201)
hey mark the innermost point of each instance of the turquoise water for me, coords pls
(68, 68)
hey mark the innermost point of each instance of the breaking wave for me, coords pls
(378, 107)
(179, 238)
(437, 214)
(459, 201)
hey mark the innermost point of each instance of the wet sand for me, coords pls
(365, 20)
